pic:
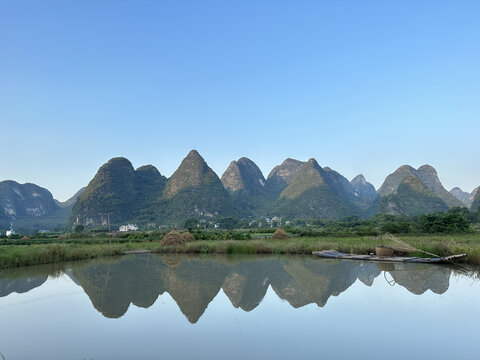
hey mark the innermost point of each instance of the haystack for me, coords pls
(187, 236)
(280, 234)
(25, 238)
(173, 238)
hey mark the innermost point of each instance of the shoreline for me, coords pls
(37, 254)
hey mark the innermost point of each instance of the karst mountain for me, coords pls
(293, 190)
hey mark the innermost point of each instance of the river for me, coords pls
(238, 307)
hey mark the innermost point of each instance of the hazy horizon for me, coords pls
(363, 87)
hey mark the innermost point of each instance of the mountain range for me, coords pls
(293, 189)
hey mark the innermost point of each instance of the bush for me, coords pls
(451, 222)
(397, 227)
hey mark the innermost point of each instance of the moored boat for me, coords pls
(333, 254)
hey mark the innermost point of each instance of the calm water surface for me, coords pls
(224, 307)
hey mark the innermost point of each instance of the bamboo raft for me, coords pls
(333, 254)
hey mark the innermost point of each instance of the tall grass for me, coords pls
(440, 245)
(21, 255)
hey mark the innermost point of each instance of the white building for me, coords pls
(128, 227)
(10, 232)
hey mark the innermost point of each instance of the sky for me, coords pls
(361, 86)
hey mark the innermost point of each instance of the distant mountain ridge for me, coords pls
(426, 174)
(465, 197)
(412, 197)
(31, 206)
(20, 200)
(71, 201)
(363, 189)
(293, 189)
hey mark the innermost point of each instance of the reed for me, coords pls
(22, 255)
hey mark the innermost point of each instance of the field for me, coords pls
(44, 251)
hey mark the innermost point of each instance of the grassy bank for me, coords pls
(440, 245)
(21, 255)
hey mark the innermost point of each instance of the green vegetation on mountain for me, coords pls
(363, 190)
(344, 190)
(282, 175)
(111, 191)
(149, 185)
(124, 193)
(144, 196)
(247, 187)
(412, 198)
(476, 201)
(309, 196)
(195, 190)
(427, 175)
(294, 190)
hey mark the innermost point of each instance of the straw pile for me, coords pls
(280, 234)
(173, 238)
(25, 238)
(187, 236)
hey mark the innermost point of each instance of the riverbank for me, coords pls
(35, 254)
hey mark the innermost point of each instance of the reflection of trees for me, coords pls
(193, 281)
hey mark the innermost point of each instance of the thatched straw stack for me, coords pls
(280, 234)
(25, 238)
(173, 238)
(187, 236)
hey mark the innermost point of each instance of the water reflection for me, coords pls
(23, 279)
(194, 281)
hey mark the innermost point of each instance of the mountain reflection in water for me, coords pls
(194, 281)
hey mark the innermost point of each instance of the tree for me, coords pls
(79, 229)
(228, 222)
(191, 223)
(450, 222)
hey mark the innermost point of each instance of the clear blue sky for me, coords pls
(362, 86)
